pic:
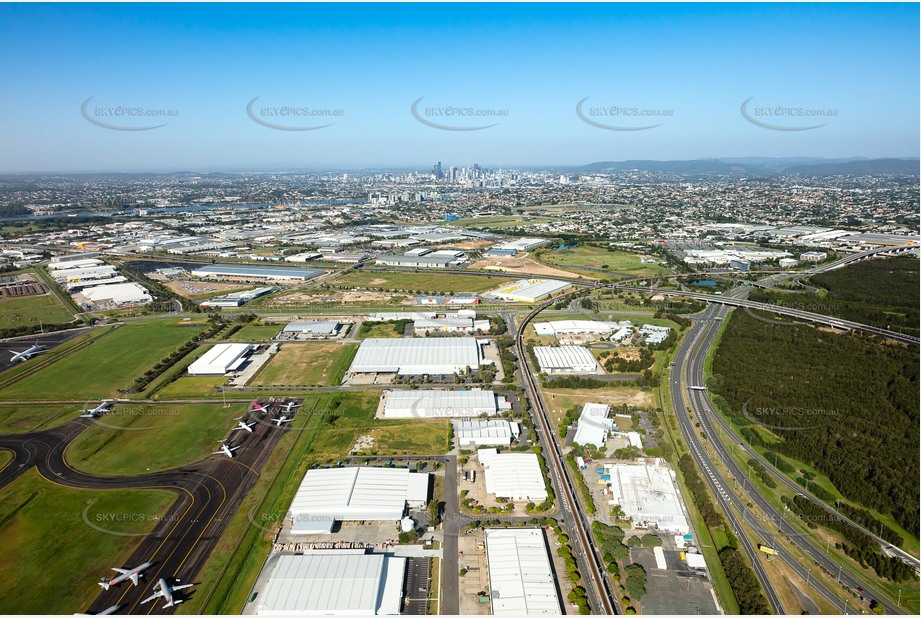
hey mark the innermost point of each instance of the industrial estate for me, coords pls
(458, 387)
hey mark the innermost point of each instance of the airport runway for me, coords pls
(209, 493)
(19, 344)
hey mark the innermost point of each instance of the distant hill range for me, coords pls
(763, 166)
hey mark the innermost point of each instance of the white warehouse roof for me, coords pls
(520, 575)
(355, 493)
(577, 327)
(565, 359)
(442, 404)
(594, 425)
(334, 582)
(528, 290)
(118, 293)
(441, 356)
(220, 359)
(516, 476)
(479, 432)
(648, 493)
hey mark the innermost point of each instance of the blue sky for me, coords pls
(372, 61)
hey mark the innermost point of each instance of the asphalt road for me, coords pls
(450, 587)
(209, 492)
(689, 364)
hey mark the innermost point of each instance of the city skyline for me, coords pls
(401, 86)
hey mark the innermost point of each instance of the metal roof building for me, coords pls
(442, 403)
(118, 294)
(220, 359)
(516, 476)
(316, 329)
(245, 271)
(481, 432)
(648, 493)
(577, 327)
(334, 582)
(520, 574)
(594, 425)
(565, 359)
(440, 356)
(328, 495)
(528, 290)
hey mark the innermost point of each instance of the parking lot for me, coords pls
(677, 589)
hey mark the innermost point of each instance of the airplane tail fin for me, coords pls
(104, 584)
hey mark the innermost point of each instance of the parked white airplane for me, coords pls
(291, 405)
(97, 411)
(26, 354)
(166, 591)
(242, 425)
(284, 419)
(133, 574)
(225, 450)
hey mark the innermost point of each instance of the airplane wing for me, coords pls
(122, 571)
(175, 588)
(155, 595)
(135, 578)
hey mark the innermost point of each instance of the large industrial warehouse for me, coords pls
(594, 425)
(528, 290)
(220, 359)
(521, 578)
(437, 356)
(516, 476)
(647, 492)
(565, 359)
(442, 403)
(328, 495)
(483, 432)
(259, 273)
(334, 582)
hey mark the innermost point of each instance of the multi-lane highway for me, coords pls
(688, 370)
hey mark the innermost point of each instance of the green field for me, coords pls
(131, 439)
(55, 544)
(421, 282)
(307, 364)
(383, 330)
(110, 363)
(190, 386)
(410, 437)
(601, 262)
(257, 332)
(502, 221)
(32, 310)
(21, 419)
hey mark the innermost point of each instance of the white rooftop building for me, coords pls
(482, 432)
(521, 578)
(654, 335)
(442, 403)
(594, 425)
(221, 359)
(334, 582)
(648, 493)
(328, 495)
(118, 295)
(528, 290)
(565, 359)
(437, 356)
(516, 476)
(578, 327)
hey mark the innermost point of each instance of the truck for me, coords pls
(770, 551)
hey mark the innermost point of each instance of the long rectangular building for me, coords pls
(516, 476)
(482, 432)
(432, 403)
(565, 359)
(437, 356)
(528, 290)
(328, 495)
(220, 359)
(648, 493)
(332, 583)
(521, 580)
(247, 272)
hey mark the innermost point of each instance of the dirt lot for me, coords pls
(523, 266)
(194, 288)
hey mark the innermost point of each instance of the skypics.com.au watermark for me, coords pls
(283, 116)
(785, 117)
(455, 117)
(760, 416)
(102, 522)
(621, 118)
(121, 117)
(827, 309)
